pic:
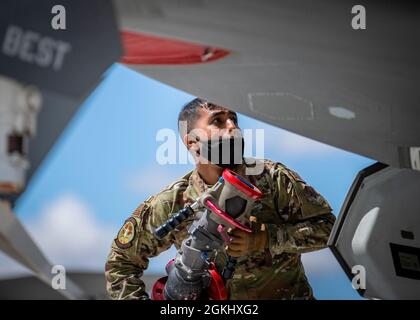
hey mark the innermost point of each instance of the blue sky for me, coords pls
(104, 166)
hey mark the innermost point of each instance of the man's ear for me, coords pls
(185, 139)
(189, 140)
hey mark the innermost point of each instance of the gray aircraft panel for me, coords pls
(56, 113)
(377, 230)
(300, 66)
(67, 58)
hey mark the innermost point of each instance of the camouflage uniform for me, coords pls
(298, 220)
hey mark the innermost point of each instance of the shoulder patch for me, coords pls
(126, 234)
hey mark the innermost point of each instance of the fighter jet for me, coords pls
(334, 71)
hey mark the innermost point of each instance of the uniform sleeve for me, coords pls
(306, 215)
(128, 260)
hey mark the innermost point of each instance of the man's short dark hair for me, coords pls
(190, 113)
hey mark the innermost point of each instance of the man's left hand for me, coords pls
(243, 243)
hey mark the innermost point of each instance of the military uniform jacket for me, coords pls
(298, 220)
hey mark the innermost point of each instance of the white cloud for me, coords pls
(68, 232)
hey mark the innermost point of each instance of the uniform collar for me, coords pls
(197, 186)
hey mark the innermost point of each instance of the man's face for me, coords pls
(215, 123)
(212, 124)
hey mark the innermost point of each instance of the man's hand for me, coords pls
(243, 243)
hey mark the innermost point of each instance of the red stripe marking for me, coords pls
(226, 217)
(145, 49)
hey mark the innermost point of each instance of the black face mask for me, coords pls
(223, 152)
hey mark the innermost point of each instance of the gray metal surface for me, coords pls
(379, 214)
(67, 61)
(300, 66)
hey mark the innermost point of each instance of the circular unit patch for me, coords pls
(126, 234)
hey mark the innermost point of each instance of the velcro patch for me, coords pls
(126, 234)
(295, 175)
